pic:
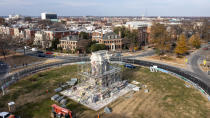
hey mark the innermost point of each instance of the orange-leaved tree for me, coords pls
(181, 46)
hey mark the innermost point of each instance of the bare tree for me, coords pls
(5, 44)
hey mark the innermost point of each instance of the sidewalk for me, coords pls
(178, 65)
(135, 53)
(33, 64)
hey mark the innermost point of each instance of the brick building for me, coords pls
(112, 41)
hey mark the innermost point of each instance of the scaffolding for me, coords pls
(99, 71)
(100, 82)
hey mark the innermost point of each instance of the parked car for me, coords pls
(33, 49)
(206, 48)
(41, 55)
(50, 53)
(129, 66)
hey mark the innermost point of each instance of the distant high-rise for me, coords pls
(48, 16)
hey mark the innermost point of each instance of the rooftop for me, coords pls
(72, 38)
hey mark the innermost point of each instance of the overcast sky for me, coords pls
(107, 7)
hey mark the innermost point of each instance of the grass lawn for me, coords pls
(167, 97)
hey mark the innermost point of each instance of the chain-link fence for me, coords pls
(14, 77)
(11, 79)
(196, 79)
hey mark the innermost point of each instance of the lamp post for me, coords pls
(25, 49)
(3, 90)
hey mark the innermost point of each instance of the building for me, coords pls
(142, 35)
(5, 30)
(30, 33)
(14, 17)
(136, 24)
(69, 43)
(73, 43)
(49, 16)
(112, 41)
(40, 40)
(19, 32)
(51, 34)
(98, 34)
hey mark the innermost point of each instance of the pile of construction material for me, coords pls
(96, 97)
(72, 82)
(59, 99)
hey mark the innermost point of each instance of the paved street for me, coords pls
(194, 64)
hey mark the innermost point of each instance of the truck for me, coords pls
(7, 115)
(60, 112)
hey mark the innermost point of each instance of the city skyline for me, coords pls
(107, 8)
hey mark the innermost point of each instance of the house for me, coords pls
(19, 32)
(98, 34)
(57, 34)
(112, 41)
(69, 43)
(40, 40)
(30, 33)
(73, 43)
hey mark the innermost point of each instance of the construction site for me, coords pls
(100, 82)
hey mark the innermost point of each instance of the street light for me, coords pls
(25, 49)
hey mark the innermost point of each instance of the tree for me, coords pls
(123, 30)
(6, 44)
(181, 47)
(45, 23)
(29, 42)
(84, 35)
(55, 42)
(83, 45)
(2, 21)
(160, 38)
(96, 47)
(205, 30)
(28, 19)
(131, 37)
(195, 41)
